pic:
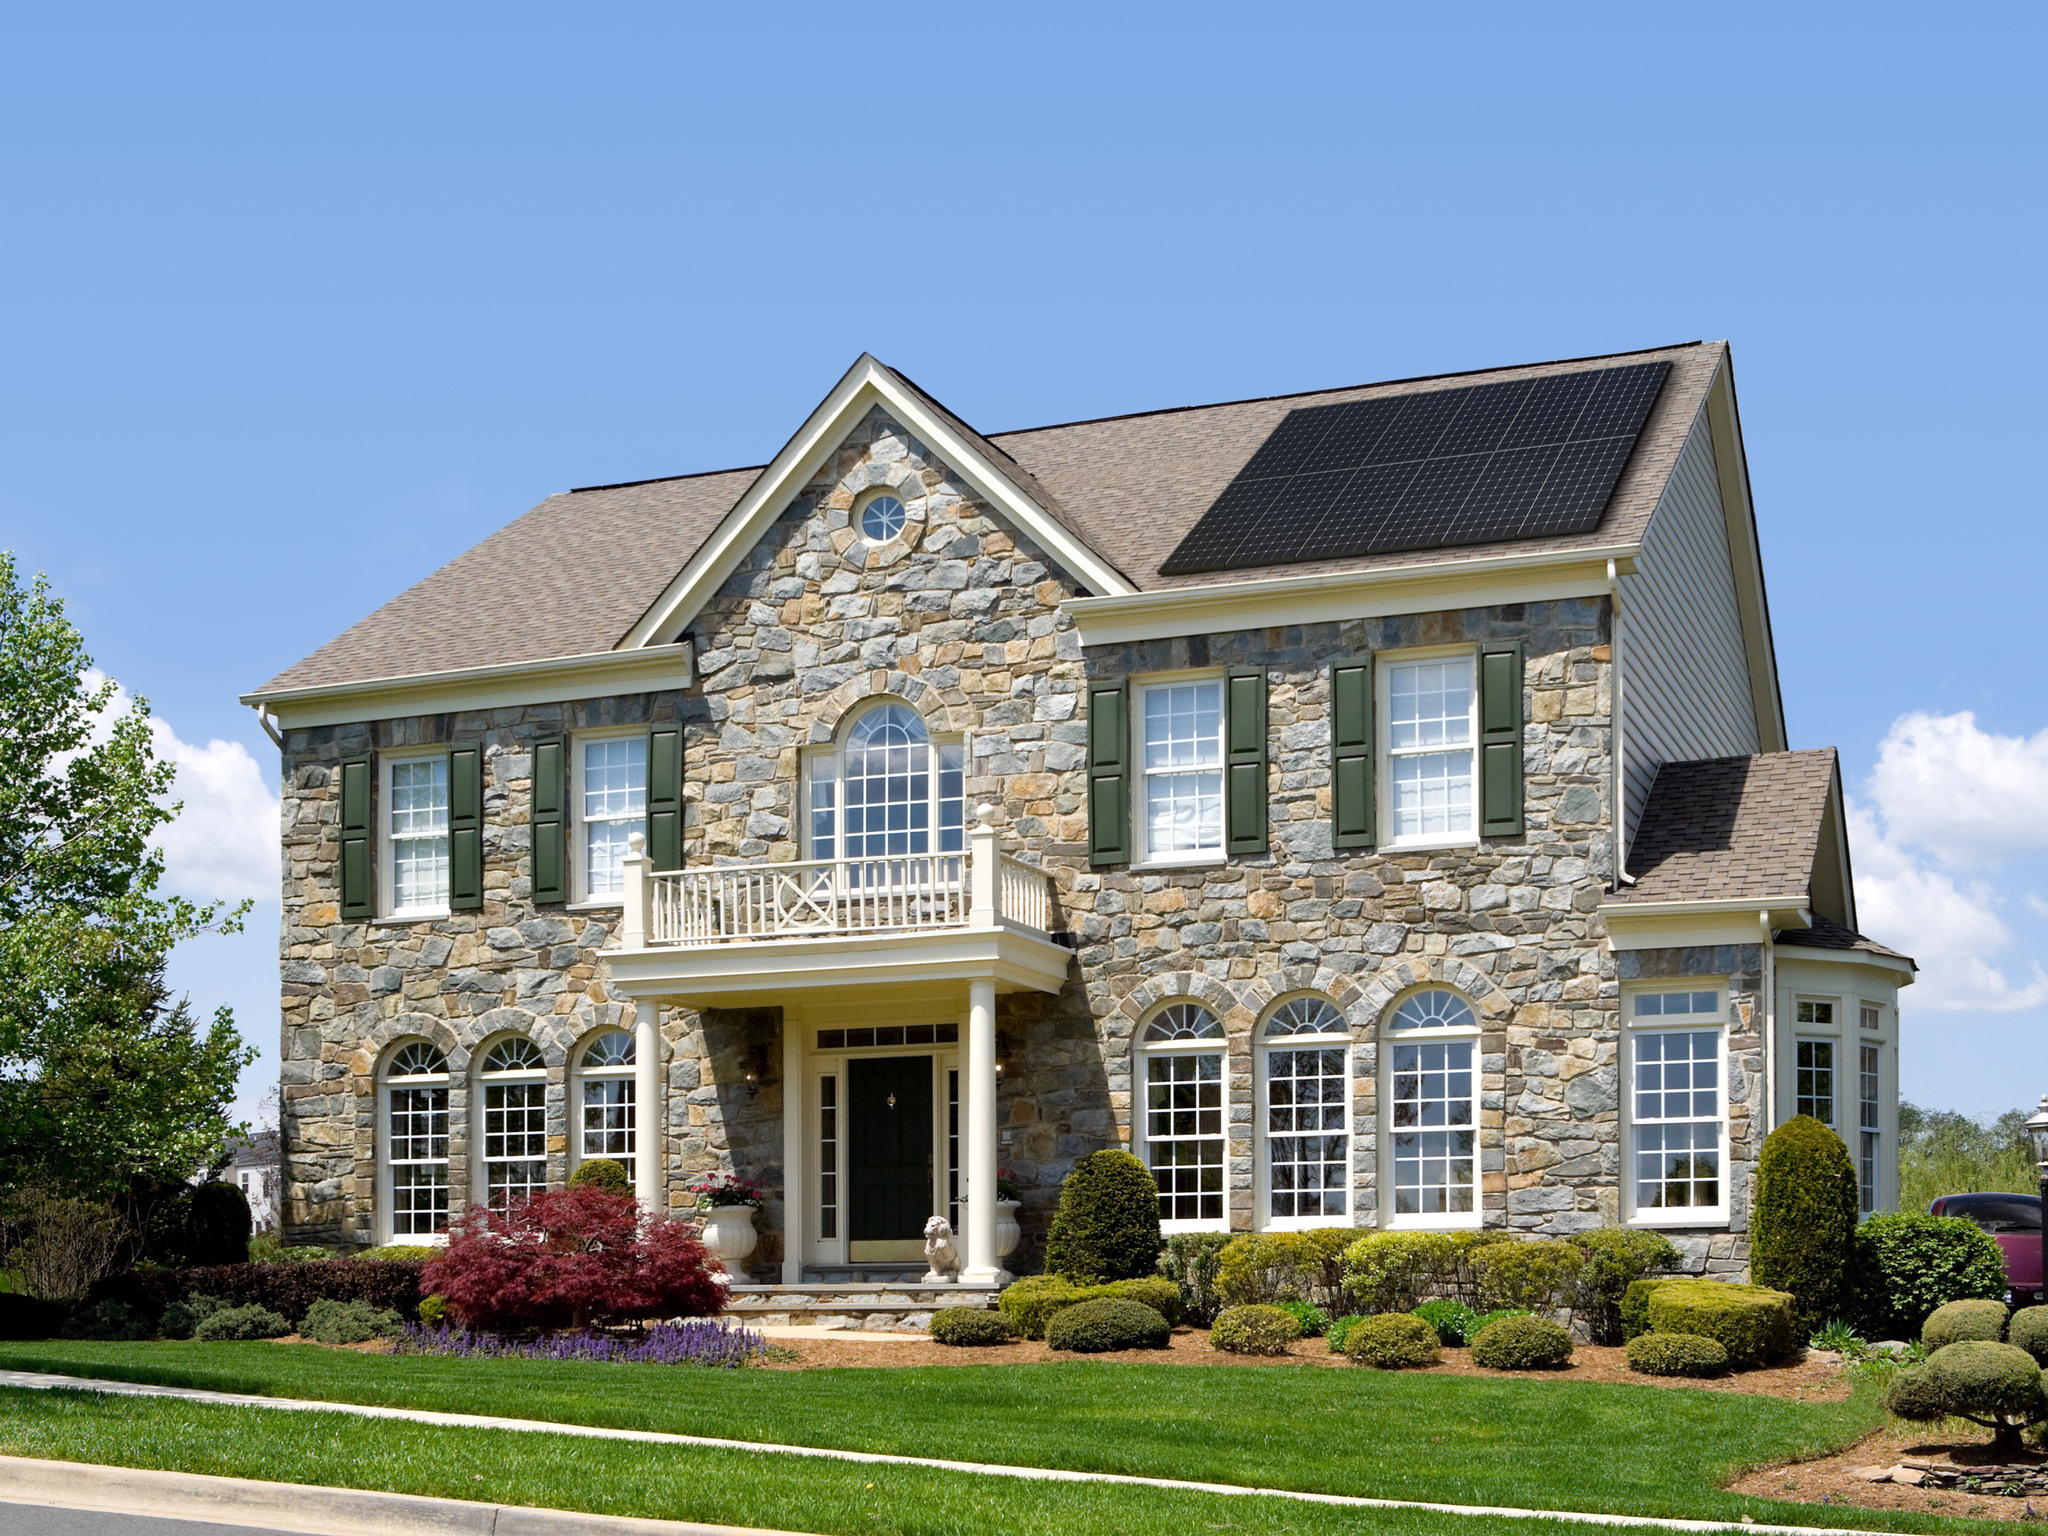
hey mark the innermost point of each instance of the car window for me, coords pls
(1995, 1213)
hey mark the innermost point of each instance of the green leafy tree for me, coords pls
(1802, 1226)
(102, 1077)
(1944, 1153)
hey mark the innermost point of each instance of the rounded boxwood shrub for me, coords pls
(1315, 1322)
(1675, 1354)
(1539, 1275)
(1393, 1341)
(1752, 1322)
(1635, 1308)
(182, 1318)
(348, 1322)
(238, 1323)
(602, 1173)
(970, 1327)
(1107, 1324)
(1994, 1385)
(1107, 1225)
(1030, 1303)
(2029, 1331)
(433, 1311)
(1959, 1322)
(1802, 1227)
(1521, 1344)
(1907, 1265)
(1254, 1330)
(1616, 1259)
(1154, 1291)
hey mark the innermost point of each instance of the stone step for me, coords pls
(854, 1306)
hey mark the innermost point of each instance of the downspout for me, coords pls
(263, 719)
(1618, 763)
(1770, 1024)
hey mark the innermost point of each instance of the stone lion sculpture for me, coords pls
(941, 1257)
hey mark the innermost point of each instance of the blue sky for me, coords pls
(300, 302)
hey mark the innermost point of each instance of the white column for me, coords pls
(796, 1148)
(981, 1267)
(638, 896)
(650, 1160)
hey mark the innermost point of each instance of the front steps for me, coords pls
(853, 1306)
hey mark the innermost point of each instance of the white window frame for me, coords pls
(1818, 1031)
(1384, 665)
(1141, 831)
(387, 1083)
(482, 1081)
(1634, 1027)
(581, 1075)
(1217, 1045)
(579, 849)
(1456, 1034)
(387, 864)
(1338, 1039)
(1869, 1153)
(827, 763)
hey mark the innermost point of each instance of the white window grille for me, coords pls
(1431, 726)
(888, 791)
(1677, 1104)
(1869, 1132)
(416, 1139)
(1814, 1090)
(609, 1127)
(515, 1141)
(1184, 1115)
(612, 802)
(1181, 727)
(1307, 1085)
(417, 833)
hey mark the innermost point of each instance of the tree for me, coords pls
(1944, 1153)
(1802, 1224)
(101, 1076)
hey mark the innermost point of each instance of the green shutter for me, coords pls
(546, 821)
(1109, 806)
(1352, 805)
(466, 828)
(1244, 760)
(665, 796)
(1500, 740)
(358, 900)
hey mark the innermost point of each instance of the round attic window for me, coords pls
(881, 519)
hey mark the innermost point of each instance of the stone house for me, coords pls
(1370, 807)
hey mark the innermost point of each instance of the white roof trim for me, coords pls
(867, 383)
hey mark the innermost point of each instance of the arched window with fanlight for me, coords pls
(886, 790)
(1185, 1115)
(415, 1137)
(512, 1152)
(604, 1098)
(1305, 1114)
(1430, 1104)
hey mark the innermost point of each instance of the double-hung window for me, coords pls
(1184, 1115)
(514, 1163)
(611, 804)
(416, 1140)
(416, 833)
(1678, 1104)
(1180, 729)
(1432, 1111)
(1430, 730)
(1306, 1077)
(1869, 1109)
(605, 1080)
(1814, 1090)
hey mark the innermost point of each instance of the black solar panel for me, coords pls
(1517, 460)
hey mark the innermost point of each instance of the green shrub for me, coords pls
(241, 1323)
(1752, 1322)
(107, 1321)
(602, 1173)
(1030, 1303)
(1991, 1384)
(1905, 1266)
(1616, 1258)
(1107, 1324)
(419, 1252)
(1190, 1260)
(433, 1311)
(1393, 1341)
(348, 1322)
(1254, 1330)
(1635, 1308)
(1314, 1321)
(1539, 1275)
(1963, 1321)
(970, 1327)
(265, 1248)
(1154, 1291)
(217, 1225)
(1675, 1354)
(1802, 1225)
(1265, 1268)
(1326, 1276)
(182, 1318)
(1107, 1225)
(1398, 1271)
(1521, 1344)
(1340, 1330)
(1452, 1320)
(2029, 1331)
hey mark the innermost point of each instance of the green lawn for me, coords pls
(1443, 1439)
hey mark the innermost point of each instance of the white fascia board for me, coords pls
(866, 384)
(597, 674)
(713, 974)
(1695, 924)
(1548, 576)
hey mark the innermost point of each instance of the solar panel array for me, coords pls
(1516, 460)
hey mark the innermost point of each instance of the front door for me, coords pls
(889, 1156)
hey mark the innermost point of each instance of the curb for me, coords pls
(312, 1510)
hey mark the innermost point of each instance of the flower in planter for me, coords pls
(712, 1193)
(1006, 1185)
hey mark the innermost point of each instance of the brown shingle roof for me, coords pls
(1732, 829)
(1825, 934)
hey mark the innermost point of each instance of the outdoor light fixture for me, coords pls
(755, 1062)
(2037, 1128)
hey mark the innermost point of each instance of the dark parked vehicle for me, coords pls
(2015, 1222)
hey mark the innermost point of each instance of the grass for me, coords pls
(722, 1487)
(1441, 1439)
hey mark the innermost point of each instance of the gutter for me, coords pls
(588, 661)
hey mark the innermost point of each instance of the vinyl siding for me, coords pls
(1686, 686)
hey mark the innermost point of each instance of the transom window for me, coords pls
(1654, 1005)
(609, 1126)
(1307, 1112)
(1184, 1021)
(1184, 1115)
(881, 519)
(1181, 726)
(888, 792)
(416, 1139)
(612, 800)
(1435, 1010)
(1306, 1016)
(515, 1143)
(1430, 729)
(417, 832)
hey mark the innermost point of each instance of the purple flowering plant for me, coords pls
(700, 1341)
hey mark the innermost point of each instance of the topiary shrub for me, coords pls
(1107, 1324)
(1991, 1384)
(1107, 1225)
(1254, 1330)
(1452, 1321)
(1030, 1303)
(182, 1318)
(106, 1321)
(1521, 1344)
(1398, 1271)
(970, 1327)
(1752, 1322)
(1392, 1341)
(2029, 1331)
(1314, 1321)
(1615, 1259)
(1963, 1321)
(1539, 1275)
(232, 1324)
(1802, 1225)
(1635, 1308)
(1340, 1330)
(601, 1173)
(1675, 1354)
(1190, 1260)
(217, 1225)
(1905, 1266)
(1266, 1268)
(349, 1322)
(1154, 1291)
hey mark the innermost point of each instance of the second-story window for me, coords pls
(611, 802)
(1181, 809)
(889, 791)
(1430, 731)
(417, 833)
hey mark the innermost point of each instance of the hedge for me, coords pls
(1803, 1221)
(1675, 1354)
(1905, 1266)
(1751, 1322)
(1617, 1258)
(1030, 1304)
(969, 1327)
(1635, 1308)
(288, 1289)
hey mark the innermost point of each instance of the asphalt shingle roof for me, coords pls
(1732, 829)
(1825, 934)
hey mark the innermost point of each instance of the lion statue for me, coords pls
(940, 1255)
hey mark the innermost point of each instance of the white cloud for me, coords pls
(2035, 904)
(1972, 799)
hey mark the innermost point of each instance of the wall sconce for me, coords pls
(1005, 1048)
(754, 1062)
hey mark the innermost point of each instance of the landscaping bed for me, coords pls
(1840, 1479)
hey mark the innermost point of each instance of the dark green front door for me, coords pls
(889, 1148)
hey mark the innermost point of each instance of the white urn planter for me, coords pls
(1008, 1233)
(729, 1233)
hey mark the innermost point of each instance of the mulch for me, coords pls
(1833, 1480)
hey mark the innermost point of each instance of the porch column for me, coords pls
(796, 1152)
(650, 1144)
(981, 1267)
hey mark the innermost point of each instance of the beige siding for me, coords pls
(1686, 682)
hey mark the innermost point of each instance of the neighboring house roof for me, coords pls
(1831, 935)
(575, 575)
(1732, 829)
(260, 1150)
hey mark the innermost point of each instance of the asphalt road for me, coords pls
(41, 1520)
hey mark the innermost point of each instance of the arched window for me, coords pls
(514, 1145)
(1430, 1096)
(416, 1140)
(1184, 1115)
(887, 791)
(1305, 1088)
(604, 1095)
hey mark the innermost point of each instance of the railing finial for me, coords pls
(985, 814)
